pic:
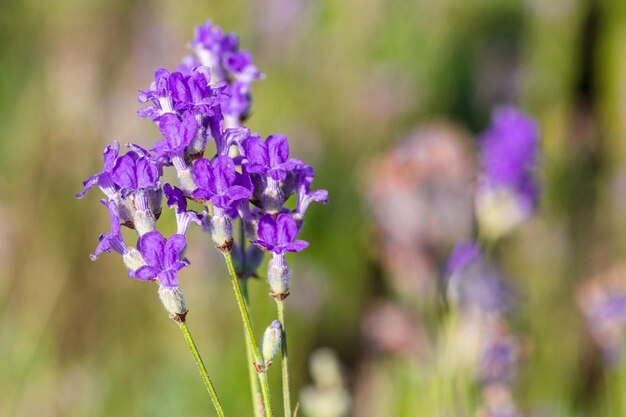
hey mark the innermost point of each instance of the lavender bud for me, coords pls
(278, 276)
(221, 227)
(272, 342)
(133, 259)
(173, 301)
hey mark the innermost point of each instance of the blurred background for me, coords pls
(354, 84)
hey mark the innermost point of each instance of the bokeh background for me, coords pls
(347, 81)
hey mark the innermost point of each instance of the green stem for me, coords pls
(245, 317)
(284, 363)
(254, 381)
(201, 368)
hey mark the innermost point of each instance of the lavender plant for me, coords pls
(200, 109)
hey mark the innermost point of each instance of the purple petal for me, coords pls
(110, 154)
(168, 278)
(203, 173)
(174, 246)
(264, 245)
(146, 273)
(256, 153)
(267, 229)
(224, 173)
(188, 128)
(88, 185)
(169, 125)
(178, 87)
(175, 197)
(113, 215)
(237, 192)
(124, 174)
(201, 194)
(297, 246)
(286, 228)
(147, 173)
(278, 149)
(152, 247)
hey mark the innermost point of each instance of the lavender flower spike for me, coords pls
(507, 194)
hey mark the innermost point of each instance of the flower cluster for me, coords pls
(508, 190)
(199, 110)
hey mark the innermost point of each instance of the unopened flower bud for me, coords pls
(278, 276)
(173, 301)
(221, 227)
(133, 259)
(272, 341)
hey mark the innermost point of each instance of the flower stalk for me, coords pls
(203, 372)
(284, 362)
(245, 317)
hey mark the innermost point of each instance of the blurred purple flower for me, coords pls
(473, 282)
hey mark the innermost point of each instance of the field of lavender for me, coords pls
(424, 201)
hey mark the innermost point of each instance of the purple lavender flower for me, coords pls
(499, 358)
(133, 172)
(509, 151)
(473, 282)
(178, 135)
(508, 191)
(277, 234)
(103, 178)
(217, 182)
(269, 157)
(305, 195)
(176, 199)
(193, 92)
(113, 240)
(160, 94)
(162, 258)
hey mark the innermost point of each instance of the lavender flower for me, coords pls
(305, 195)
(217, 182)
(272, 339)
(112, 240)
(103, 178)
(474, 283)
(508, 191)
(277, 234)
(162, 258)
(176, 199)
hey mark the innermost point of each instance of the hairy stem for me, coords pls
(201, 368)
(284, 362)
(245, 317)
